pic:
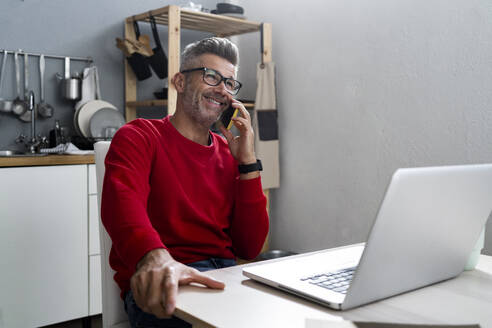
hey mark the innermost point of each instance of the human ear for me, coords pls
(179, 82)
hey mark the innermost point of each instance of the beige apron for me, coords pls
(266, 127)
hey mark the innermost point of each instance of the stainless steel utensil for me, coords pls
(44, 109)
(5, 105)
(26, 116)
(19, 106)
(10, 153)
(32, 111)
(70, 85)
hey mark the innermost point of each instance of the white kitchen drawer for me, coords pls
(94, 246)
(92, 179)
(95, 294)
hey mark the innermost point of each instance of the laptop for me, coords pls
(427, 225)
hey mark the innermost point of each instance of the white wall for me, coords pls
(365, 87)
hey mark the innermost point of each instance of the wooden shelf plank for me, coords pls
(199, 21)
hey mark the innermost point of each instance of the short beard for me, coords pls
(191, 102)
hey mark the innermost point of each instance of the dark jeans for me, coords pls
(141, 319)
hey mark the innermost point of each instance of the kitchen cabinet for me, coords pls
(47, 272)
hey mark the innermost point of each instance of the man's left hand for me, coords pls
(242, 147)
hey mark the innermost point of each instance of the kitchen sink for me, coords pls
(16, 153)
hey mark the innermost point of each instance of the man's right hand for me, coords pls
(156, 281)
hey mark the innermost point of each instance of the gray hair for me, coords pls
(221, 47)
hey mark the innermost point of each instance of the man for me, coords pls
(174, 202)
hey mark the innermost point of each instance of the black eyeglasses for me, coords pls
(213, 78)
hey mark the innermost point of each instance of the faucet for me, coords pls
(32, 108)
(35, 142)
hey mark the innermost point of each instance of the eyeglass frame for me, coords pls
(222, 78)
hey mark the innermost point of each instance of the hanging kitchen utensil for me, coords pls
(88, 89)
(158, 61)
(70, 85)
(27, 116)
(84, 113)
(44, 109)
(138, 62)
(32, 113)
(5, 105)
(19, 106)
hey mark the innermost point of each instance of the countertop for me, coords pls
(46, 160)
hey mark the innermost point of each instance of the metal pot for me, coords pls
(70, 85)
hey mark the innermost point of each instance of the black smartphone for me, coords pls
(226, 117)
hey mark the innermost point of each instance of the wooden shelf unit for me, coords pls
(176, 19)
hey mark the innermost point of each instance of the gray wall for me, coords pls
(73, 28)
(366, 87)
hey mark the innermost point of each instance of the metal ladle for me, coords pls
(26, 116)
(44, 109)
(19, 106)
(5, 105)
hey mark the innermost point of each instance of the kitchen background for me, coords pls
(79, 29)
(364, 87)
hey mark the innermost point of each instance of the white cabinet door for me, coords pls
(43, 245)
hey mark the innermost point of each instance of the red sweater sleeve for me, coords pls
(125, 193)
(249, 226)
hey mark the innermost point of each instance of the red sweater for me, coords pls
(162, 190)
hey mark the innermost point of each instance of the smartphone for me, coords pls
(226, 117)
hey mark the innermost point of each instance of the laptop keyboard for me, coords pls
(337, 281)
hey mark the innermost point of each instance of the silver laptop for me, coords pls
(424, 232)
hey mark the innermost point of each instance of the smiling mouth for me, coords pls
(214, 101)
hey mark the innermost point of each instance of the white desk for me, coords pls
(466, 299)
